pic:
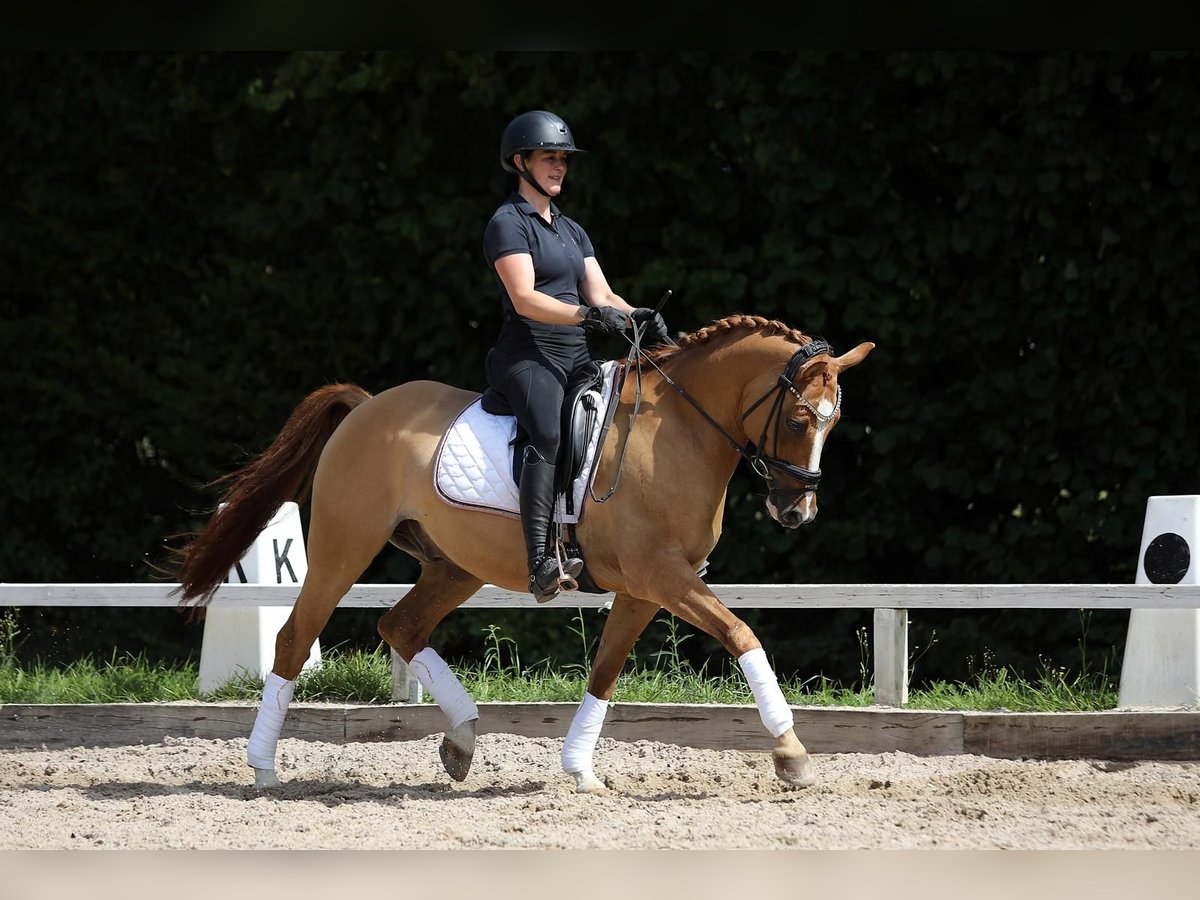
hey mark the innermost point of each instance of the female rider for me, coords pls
(552, 290)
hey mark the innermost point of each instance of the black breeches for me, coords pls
(534, 388)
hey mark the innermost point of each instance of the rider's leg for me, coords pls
(537, 505)
(535, 392)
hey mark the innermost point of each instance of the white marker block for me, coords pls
(1162, 646)
(237, 641)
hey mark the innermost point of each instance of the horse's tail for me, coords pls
(253, 494)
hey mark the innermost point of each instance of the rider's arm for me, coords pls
(516, 272)
(595, 288)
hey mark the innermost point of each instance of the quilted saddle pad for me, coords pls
(474, 460)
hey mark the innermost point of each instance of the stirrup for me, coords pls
(568, 569)
(563, 572)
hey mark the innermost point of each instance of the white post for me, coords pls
(891, 657)
(237, 641)
(405, 686)
(1162, 646)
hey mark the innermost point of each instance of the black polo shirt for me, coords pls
(558, 249)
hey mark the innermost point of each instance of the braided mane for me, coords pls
(768, 327)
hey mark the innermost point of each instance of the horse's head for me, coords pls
(793, 417)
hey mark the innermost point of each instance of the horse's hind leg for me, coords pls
(627, 619)
(341, 544)
(441, 588)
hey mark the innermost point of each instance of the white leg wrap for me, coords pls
(277, 694)
(773, 709)
(583, 734)
(444, 687)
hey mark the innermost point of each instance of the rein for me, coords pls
(762, 463)
(634, 359)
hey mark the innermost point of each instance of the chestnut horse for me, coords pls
(742, 387)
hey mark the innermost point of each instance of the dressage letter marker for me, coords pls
(243, 640)
(1162, 647)
(281, 560)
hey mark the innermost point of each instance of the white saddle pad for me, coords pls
(474, 461)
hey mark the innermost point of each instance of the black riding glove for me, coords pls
(654, 329)
(605, 320)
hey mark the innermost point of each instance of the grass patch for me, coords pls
(1052, 691)
(351, 676)
(355, 676)
(119, 680)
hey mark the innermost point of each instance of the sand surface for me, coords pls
(194, 793)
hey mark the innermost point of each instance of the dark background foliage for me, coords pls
(191, 242)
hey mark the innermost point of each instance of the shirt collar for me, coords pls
(526, 207)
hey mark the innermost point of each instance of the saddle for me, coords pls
(581, 408)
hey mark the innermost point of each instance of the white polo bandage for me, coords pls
(277, 694)
(444, 687)
(583, 734)
(773, 709)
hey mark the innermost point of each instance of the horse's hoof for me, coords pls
(458, 749)
(265, 778)
(586, 782)
(793, 769)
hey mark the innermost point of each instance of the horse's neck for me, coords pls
(717, 381)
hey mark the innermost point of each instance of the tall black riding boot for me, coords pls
(537, 503)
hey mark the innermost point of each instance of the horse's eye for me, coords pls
(795, 424)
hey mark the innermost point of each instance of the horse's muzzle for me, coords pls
(800, 511)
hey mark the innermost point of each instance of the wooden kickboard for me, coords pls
(1164, 735)
(1114, 734)
(119, 724)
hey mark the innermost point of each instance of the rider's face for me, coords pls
(549, 169)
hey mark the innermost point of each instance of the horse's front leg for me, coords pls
(792, 764)
(626, 621)
(441, 588)
(688, 597)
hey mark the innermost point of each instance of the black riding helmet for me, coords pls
(534, 130)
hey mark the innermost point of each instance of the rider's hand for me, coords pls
(654, 329)
(605, 320)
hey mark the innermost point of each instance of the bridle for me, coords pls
(759, 460)
(762, 463)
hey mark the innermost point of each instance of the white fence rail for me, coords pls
(891, 603)
(735, 596)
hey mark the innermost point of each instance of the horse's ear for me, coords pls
(853, 358)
